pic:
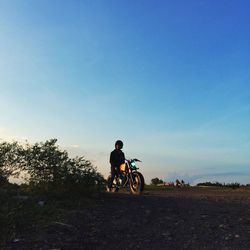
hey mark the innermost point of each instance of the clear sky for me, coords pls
(169, 78)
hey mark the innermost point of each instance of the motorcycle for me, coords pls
(128, 177)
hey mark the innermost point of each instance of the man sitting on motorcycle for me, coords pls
(117, 158)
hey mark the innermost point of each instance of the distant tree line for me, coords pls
(218, 184)
(210, 184)
(47, 166)
(156, 181)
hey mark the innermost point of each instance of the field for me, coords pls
(161, 218)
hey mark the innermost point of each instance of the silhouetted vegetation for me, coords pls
(156, 181)
(218, 184)
(210, 184)
(11, 159)
(47, 166)
(54, 183)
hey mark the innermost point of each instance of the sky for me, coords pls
(169, 78)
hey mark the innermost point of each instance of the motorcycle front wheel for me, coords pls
(136, 183)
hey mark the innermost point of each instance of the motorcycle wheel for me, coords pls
(142, 181)
(136, 183)
(113, 189)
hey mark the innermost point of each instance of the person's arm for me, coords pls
(111, 159)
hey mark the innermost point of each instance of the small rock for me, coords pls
(40, 203)
(165, 234)
(236, 236)
(204, 216)
(16, 240)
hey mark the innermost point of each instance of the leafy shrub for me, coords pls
(48, 167)
(12, 160)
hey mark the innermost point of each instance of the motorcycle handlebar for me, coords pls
(133, 160)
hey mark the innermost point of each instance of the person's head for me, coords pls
(119, 144)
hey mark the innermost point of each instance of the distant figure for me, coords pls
(182, 183)
(117, 158)
(177, 183)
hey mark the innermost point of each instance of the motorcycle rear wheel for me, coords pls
(113, 189)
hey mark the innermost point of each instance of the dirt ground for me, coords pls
(186, 218)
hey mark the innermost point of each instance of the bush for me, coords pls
(156, 181)
(11, 160)
(56, 179)
(48, 167)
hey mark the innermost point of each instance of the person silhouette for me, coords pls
(117, 158)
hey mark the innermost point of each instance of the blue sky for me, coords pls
(169, 78)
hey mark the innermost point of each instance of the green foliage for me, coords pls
(12, 160)
(56, 179)
(48, 167)
(82, 172)
(156, 181)
(46, 163)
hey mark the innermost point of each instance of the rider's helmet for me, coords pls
(119, 144)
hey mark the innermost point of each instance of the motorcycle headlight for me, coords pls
(133, 164)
